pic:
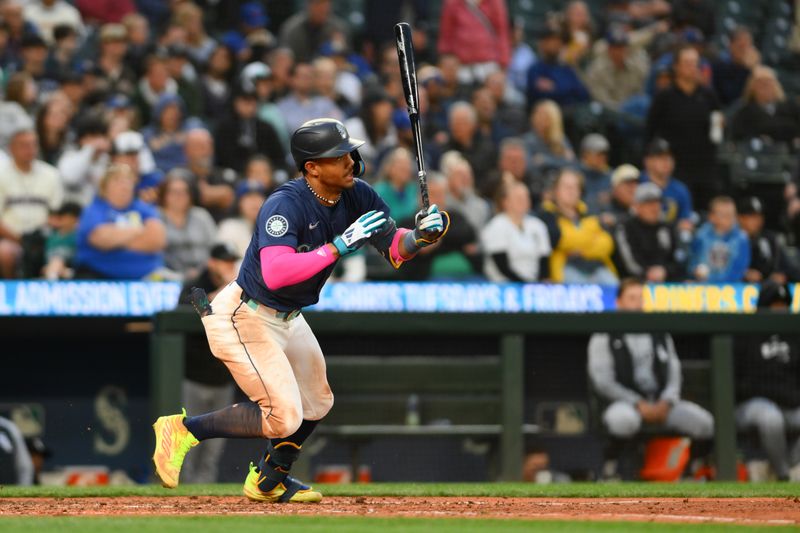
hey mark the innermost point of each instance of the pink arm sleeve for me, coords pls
(282, 265)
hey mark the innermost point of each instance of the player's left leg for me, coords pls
(308, 364)
(690, 419)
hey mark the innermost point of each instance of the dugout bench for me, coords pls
(166, 356)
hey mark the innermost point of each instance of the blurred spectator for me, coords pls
(682, 116)
(215, 83)
(33, 51)
(62, 58)
(47, 14)
(348, 84)
(769, 258)
(512, 165)
(617, 73)
(768, 386)
(153, 86)
(29, 189)
(214, 185)
(637, 376)
(306, 31)
(119, 236)
(206, 386)
(452, 88)
(104, 11)
(240, 135)
(596, 173)
(461, 191)
(434, 118)
(374, 126)
(550, 78)
(52, 128)
(396, 184)
(489, 125)
(190, 229)
(579, 30)
(509, 102)
(467, 140)
(82, 165)
(478, 34)
(21, 89)
(139, 41)
(766, 111)
(11, 13)
(700, 14)
(720, 250)
(326, 76)
(522, 56)
(238, 230)
(62, 242)
(199, 44)
(16, 466)
(547, 145)
(732, 69)
(259, 170)
(676, 200)
(624, 181)
(129, 148)
(281, 63)
(645, 246)
(516, 244)
(184, 74)
(114, 75)
(456, 258)
(166, 135)
(301, 105)
(581, 247)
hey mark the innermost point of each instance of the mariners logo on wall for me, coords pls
(277, 226)
(341, 130)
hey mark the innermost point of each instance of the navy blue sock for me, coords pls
(281, 453)
(239, 421)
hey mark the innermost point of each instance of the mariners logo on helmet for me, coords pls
(341, 130)
(277, 226)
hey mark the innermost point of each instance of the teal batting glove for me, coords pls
(358, 232)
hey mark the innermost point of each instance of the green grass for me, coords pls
(567, 490)
(287, 524)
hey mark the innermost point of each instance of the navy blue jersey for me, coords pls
(292, 216)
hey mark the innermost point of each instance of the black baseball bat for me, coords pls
(408, 75)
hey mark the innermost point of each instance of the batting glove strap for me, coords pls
(358, 232)
(430, 227)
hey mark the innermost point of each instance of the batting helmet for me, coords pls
(325, 137)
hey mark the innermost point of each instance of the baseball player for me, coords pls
(255, 326)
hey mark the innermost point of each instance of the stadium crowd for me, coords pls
(600, 140)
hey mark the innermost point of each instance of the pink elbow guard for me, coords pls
(394, 250)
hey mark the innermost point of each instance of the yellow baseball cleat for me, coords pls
(173, 440)
(290, 490)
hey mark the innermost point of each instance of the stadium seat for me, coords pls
(761, 162)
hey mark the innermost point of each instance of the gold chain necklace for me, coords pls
(329, 202)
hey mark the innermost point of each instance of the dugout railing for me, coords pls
(167, 348)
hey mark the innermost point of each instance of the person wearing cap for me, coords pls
(238, 230)
(682, 115)
(645, 247)
(550, 78)
(114, 74)
(305, 31)
(61, 242)
(255, 324)
(769, 258)
(720, 251)
(206, 384)
(128, 148)
(596, 172)
(29, 189)
(676, 198)
(258, 77)
(582, 249)
(189, 227)
(119, 236)
(240, 135)
(619, 72)
(624, 181)
(767, 369)
(83, 164)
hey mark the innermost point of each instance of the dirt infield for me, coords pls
(751, 511)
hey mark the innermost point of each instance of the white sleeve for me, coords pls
(495, 237)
